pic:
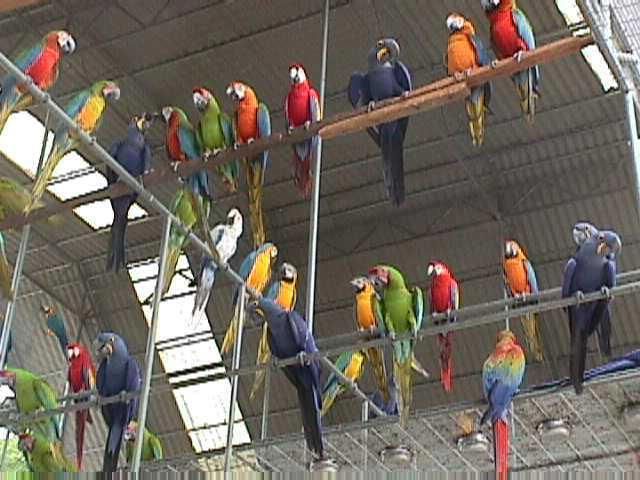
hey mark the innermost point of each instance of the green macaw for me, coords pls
(45, 456)
(33, 394)
(214, 133)
(403, 314)
(151, 445)
(5, 271)
(13, 198)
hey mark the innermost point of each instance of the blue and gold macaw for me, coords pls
(351, 364)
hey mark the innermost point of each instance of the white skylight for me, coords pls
(205, 406)
(592, 54)
(20, 142)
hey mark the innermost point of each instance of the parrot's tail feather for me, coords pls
(329, 398)
(533, 337)
(393, 158)
(5, 277)
(501, 448)
(230, 337)
(170, 268)
(5, 113)
(311, 418)
(376, 357)
(302, 175)
(81, 419)
(255, 180)
(445, 342)
(403, 374)
(476, 112)
(578, 358)
(264, 355)
(43, 178)
(525, 85)
(116, 258)
(418, 368)
(202, 296)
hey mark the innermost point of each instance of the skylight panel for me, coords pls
(100, 214)
(21, 141)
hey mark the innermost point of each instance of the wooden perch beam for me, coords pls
(425, 98)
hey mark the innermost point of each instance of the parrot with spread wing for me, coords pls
(520, 282)
(215, 133)
(33, 394)
(87, 110)
(82, 378)
(511, 35)
(118, 372)
(255, 270)
(41, 63)
(45, 456)
(251, 122)
(225, 237)
(133, 153)
(55, 328)
(387, 77)
(151, 445)
(5, 271)
(403, 314)
(591, 269)
(290, 337)
(302, 108)
(502, 376)
(284, 293)
(445, 298)
(351, 364)
(466, 52)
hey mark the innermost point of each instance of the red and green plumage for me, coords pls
(82, 378)
(502, 376)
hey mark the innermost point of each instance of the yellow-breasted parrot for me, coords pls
(256, 270)
(351, 364)
(41, 62)
(252, 121)
(151, 445)
(87, 110)
(215, 133)
(5, 271)
(284, 292)
(45, 456)
(403, 314)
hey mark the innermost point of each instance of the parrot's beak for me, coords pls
(431, 270)
(356, 283)
(7, 378)
(68, 45)
(490, 5)
(231, 220)
(288, 272)
(166, 113)
(383, 53)
(144, 122)
(379, 277)
(111, 92)
(200, 102)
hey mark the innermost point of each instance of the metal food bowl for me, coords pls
(554, 429)
(396, 456)
(474, 442)
(327, 465)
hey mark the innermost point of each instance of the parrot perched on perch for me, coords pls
(6, 271)
(520, 282)
(466, 52)
(284, 293)
(291, 337)
(591, 269)
(151, 445)
(445, 298)
(41, 62)
(351, 364)
(56, 328)
(87, 110)
(302, 108)
(45, 456)
(82, 378)
(502, 375)
(133, 153)
(32, 395)
(215, 133)
(225, 237)
(389, 407)
(403, 314)
(387, 77)
(252, 121)
(511, 35)
(256, 271)
(118, 372)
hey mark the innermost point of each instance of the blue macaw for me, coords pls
(133, 153)
(118, 372)
(582, 231)
(390, 407)
(387, 77)
(56, 328)
(290, 337)
(593, 268)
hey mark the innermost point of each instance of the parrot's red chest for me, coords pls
(45, 70)
(441, 294)
(77, 367)
(504, 34)
(173, 140)
(299, 105)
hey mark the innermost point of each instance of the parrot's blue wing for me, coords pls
(274, 291)
(525, 30)
(134, 383)
(188, 142)
(146, 158)
(77, 103)
(227, 129)
(489, 379)
(111, 175)
(25, 60)
(245, 269)
(358, 91)
(531, 277)
(314, 106)
(264, 129)
(455, 296)
(569, 271)
(483, 54)
(403, 76)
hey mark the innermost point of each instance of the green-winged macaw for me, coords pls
(284, 292)
(5, 271)
(215, 133)
(41, 62)
(351, 364)
(251, 122)
(13, 198)
(256, 271)
(45, 456)
(403, 314)
(151, 445)
(55, 328)
(87, 110)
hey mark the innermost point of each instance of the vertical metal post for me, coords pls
(365, 435)
(501, 270)
(265, 404)
(235, 364)
(315, 195)
(17, 269)
(634, 142)
(151, 346)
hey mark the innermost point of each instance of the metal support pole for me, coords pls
(265, 404)
(634, 142)
(150, 352)
(315, 195)
(365, 435)
(234, 381)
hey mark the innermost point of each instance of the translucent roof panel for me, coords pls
(21, 141)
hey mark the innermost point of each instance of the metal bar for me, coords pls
(634, 142)
(264, 426)
(315, 193)
(150, 352)
(365, 435)
(447, 443)
(234, 380)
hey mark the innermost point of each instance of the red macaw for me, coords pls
(302, 107)
(81, 377)
(445, 297)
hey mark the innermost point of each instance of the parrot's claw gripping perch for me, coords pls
(606, 291)
(251, 140)
(174, 166)
(235, 145)
(518, 56)
(371, 106)
(290, 129)
(307, 124)
(302, 358)
(494, 63)
(580, 296)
